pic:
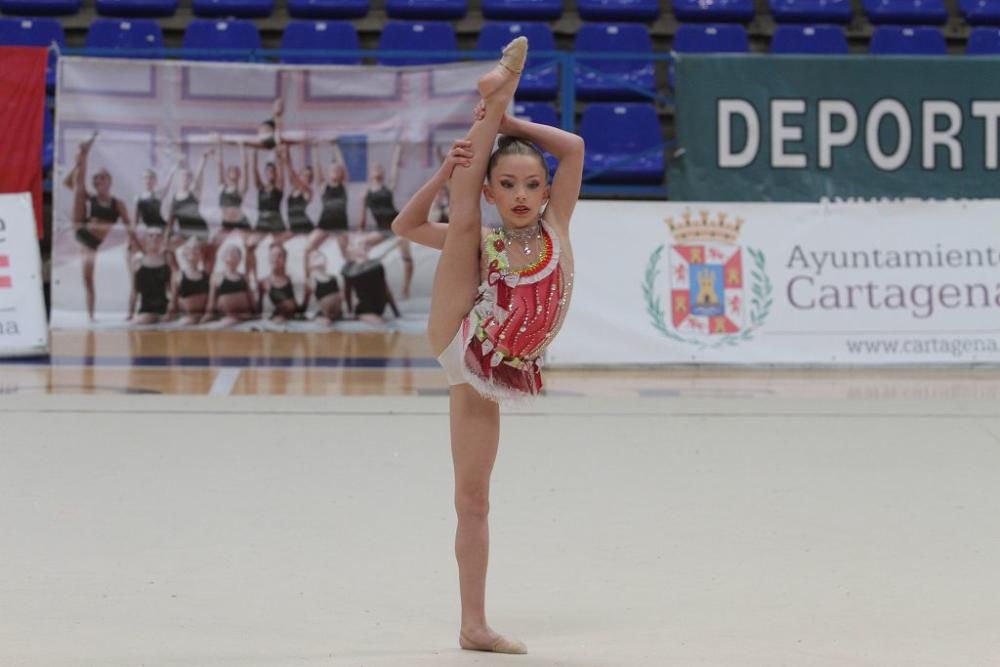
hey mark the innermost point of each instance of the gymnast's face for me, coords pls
(317, 261)
(337, 173)
(190, 252)
(232, 176)
(186, 178)
(518, 189)
(277, 257)
(154, 240)
(232, 257)
(307, 174)
(150, 180)
(272, 174)
(378, 173)
(102, 182)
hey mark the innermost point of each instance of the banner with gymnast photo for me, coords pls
(213, 195)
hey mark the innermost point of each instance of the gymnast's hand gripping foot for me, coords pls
(498, 299)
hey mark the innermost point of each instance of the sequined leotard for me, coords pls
(516, 315)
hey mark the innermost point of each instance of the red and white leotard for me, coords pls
(515, 316)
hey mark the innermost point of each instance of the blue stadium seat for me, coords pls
(416, 36)
(812, 11)
(983, 41)
(243, 9)
(980, 12)
(606, 79)
(624, 143)
(434, 10)
(540, 79)
(543, 114)
(328, 9)
(40, 7)
(906, 11)
(34, 32)
(319, 35)
(207, 34)
(900, 40)
(709, 38)
(131, 34)
(618, 10)
(817, 39)
(722, 11)
(136, 8)
(537, 112)
(522, 10)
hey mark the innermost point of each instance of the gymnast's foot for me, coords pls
(508, 70)
(484, 639)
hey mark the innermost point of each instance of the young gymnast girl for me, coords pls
(499, 297)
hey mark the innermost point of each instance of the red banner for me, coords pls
(22, 108)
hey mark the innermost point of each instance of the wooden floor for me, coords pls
(401, 364)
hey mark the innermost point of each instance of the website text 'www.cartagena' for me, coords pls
(955, 347)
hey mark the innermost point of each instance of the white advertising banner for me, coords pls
(734, 283)
(255, 196)
(23, 329)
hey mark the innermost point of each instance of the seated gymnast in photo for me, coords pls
(325, 288)
(276, 287)
(230, 293)
(499, 298)
(151, 279)
(364, 279)
(190, 284)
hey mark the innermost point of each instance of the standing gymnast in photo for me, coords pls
(149, 205)
(235, 182)
(93, 217)
(301, 194)
(498, 299)
(379, 200)
(185, 217)
(333, 215)
(270, 192)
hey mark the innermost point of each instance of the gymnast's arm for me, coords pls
(568, 149)
(412, 222)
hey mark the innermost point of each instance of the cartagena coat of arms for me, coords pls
(717, 294)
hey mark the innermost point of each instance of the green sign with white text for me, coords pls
(799, 128)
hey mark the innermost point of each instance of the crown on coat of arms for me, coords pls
(704, 227)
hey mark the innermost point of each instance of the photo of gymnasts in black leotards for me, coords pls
(149, 204)
(324, 287)
(191, 283)
(277, 287)
(270, 192)
(301, 194)
(186, 220)
(379, 201)
(93, 217)
(230, 292)
(235, 182)
(333, 197)
(151, 285)
(383, 209)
